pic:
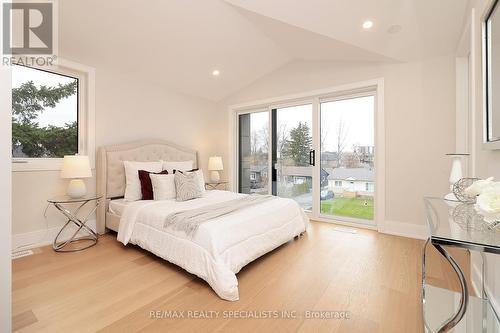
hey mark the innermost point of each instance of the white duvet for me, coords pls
(220, 247)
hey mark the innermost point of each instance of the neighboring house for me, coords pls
(299, 174)
(258, 174)
(352, 181)
(295, 174)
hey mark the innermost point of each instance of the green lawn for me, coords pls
(351, 207)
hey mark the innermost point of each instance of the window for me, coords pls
(299, 180)
(338, 183)
(367, 186)
(44, 113)
(53, 115)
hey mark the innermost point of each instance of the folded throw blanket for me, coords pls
(190, 220)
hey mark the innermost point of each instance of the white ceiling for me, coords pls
(177, 43)
(429, 27)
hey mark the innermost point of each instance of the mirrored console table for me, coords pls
(455, 224)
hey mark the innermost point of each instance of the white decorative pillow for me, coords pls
(181, 166)
(201, 179)
(188, 186)
(133, 184)
(200, 176)
(163, 186)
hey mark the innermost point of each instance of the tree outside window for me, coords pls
(44, 114)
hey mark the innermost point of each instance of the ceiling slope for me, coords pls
(428, 27)
(302, 44)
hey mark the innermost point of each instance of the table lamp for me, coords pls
(215, 165)
(76, 167)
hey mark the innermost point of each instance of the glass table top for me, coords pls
(66, 199)
(458, 224)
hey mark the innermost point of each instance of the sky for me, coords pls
(65, 110)
(357, 114)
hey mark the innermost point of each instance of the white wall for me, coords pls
(420, 123)
(5, 199)
(486, 163)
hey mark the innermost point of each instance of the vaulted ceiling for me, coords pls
(178, 43)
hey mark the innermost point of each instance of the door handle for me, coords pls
(312, 157)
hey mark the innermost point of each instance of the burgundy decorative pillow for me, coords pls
(146, 185)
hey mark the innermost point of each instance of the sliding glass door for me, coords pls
(277, 155)
(293, 154)
(347, 157)
(254, 151)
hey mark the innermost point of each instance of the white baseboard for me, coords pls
(409, 230)
(344, 222)
(43, 237)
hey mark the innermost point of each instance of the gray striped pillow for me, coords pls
(187, 186)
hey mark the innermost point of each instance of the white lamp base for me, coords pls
(214, 176)
(76, 189)
(455, 176)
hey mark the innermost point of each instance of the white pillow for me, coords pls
(133, 184)
(163, 186)
(201, 179)
(181, 166)
(187, 186)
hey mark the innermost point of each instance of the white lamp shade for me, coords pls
(76, 166)
(215, 163)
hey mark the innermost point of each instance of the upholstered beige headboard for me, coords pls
(111, 172)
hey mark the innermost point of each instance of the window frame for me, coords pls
(236, 120)
(85, 118)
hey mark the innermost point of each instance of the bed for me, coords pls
(218, 250)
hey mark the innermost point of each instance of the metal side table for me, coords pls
(62, 203)
(455, 224)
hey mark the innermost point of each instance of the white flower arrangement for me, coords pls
(488, 198)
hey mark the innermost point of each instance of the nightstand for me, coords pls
(62, 204)
(215, 185)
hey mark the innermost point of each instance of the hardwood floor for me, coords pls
(113, 288)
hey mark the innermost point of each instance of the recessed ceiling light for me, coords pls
(367, 24)
(216, 72)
